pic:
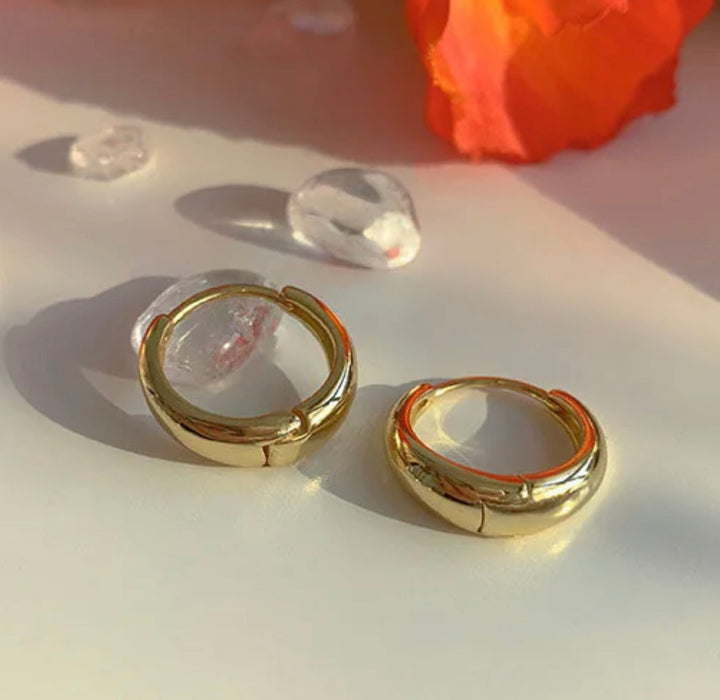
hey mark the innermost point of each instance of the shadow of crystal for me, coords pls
(48, 156)
(248, 213)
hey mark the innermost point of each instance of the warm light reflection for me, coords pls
(313, 485)
(262, 225)
(556, 549)
(300, 237)
(442, 441)
(548, 544)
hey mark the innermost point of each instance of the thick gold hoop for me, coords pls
(497, 504)
(273, 439)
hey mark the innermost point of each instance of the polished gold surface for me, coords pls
(496, 504)
(273, 439)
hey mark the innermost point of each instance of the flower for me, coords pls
(520, 80)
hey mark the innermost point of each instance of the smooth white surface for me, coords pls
(129, 571)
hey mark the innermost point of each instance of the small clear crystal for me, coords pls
(109, 154)
(364, 217)
(321, 17)
(213, 342)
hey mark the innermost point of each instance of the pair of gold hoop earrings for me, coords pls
(477, 501)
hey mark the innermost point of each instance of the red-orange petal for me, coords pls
(523, 79)
(553, 15)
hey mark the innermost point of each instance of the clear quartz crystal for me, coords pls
(109, 154)
(321, 17)
(360, 216)
(213, 342)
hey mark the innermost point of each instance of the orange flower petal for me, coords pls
(522, 79)
(552, 15)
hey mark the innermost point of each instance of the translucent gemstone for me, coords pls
(321, 17)
(361, 216)
(213, 342)
(109, 154)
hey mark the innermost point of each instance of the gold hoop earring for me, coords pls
(497, 504)
(273, 439)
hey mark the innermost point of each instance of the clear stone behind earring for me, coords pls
(363, 217)
(212, 343)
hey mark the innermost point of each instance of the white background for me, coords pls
(130, 571)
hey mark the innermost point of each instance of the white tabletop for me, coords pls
(131, 571)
